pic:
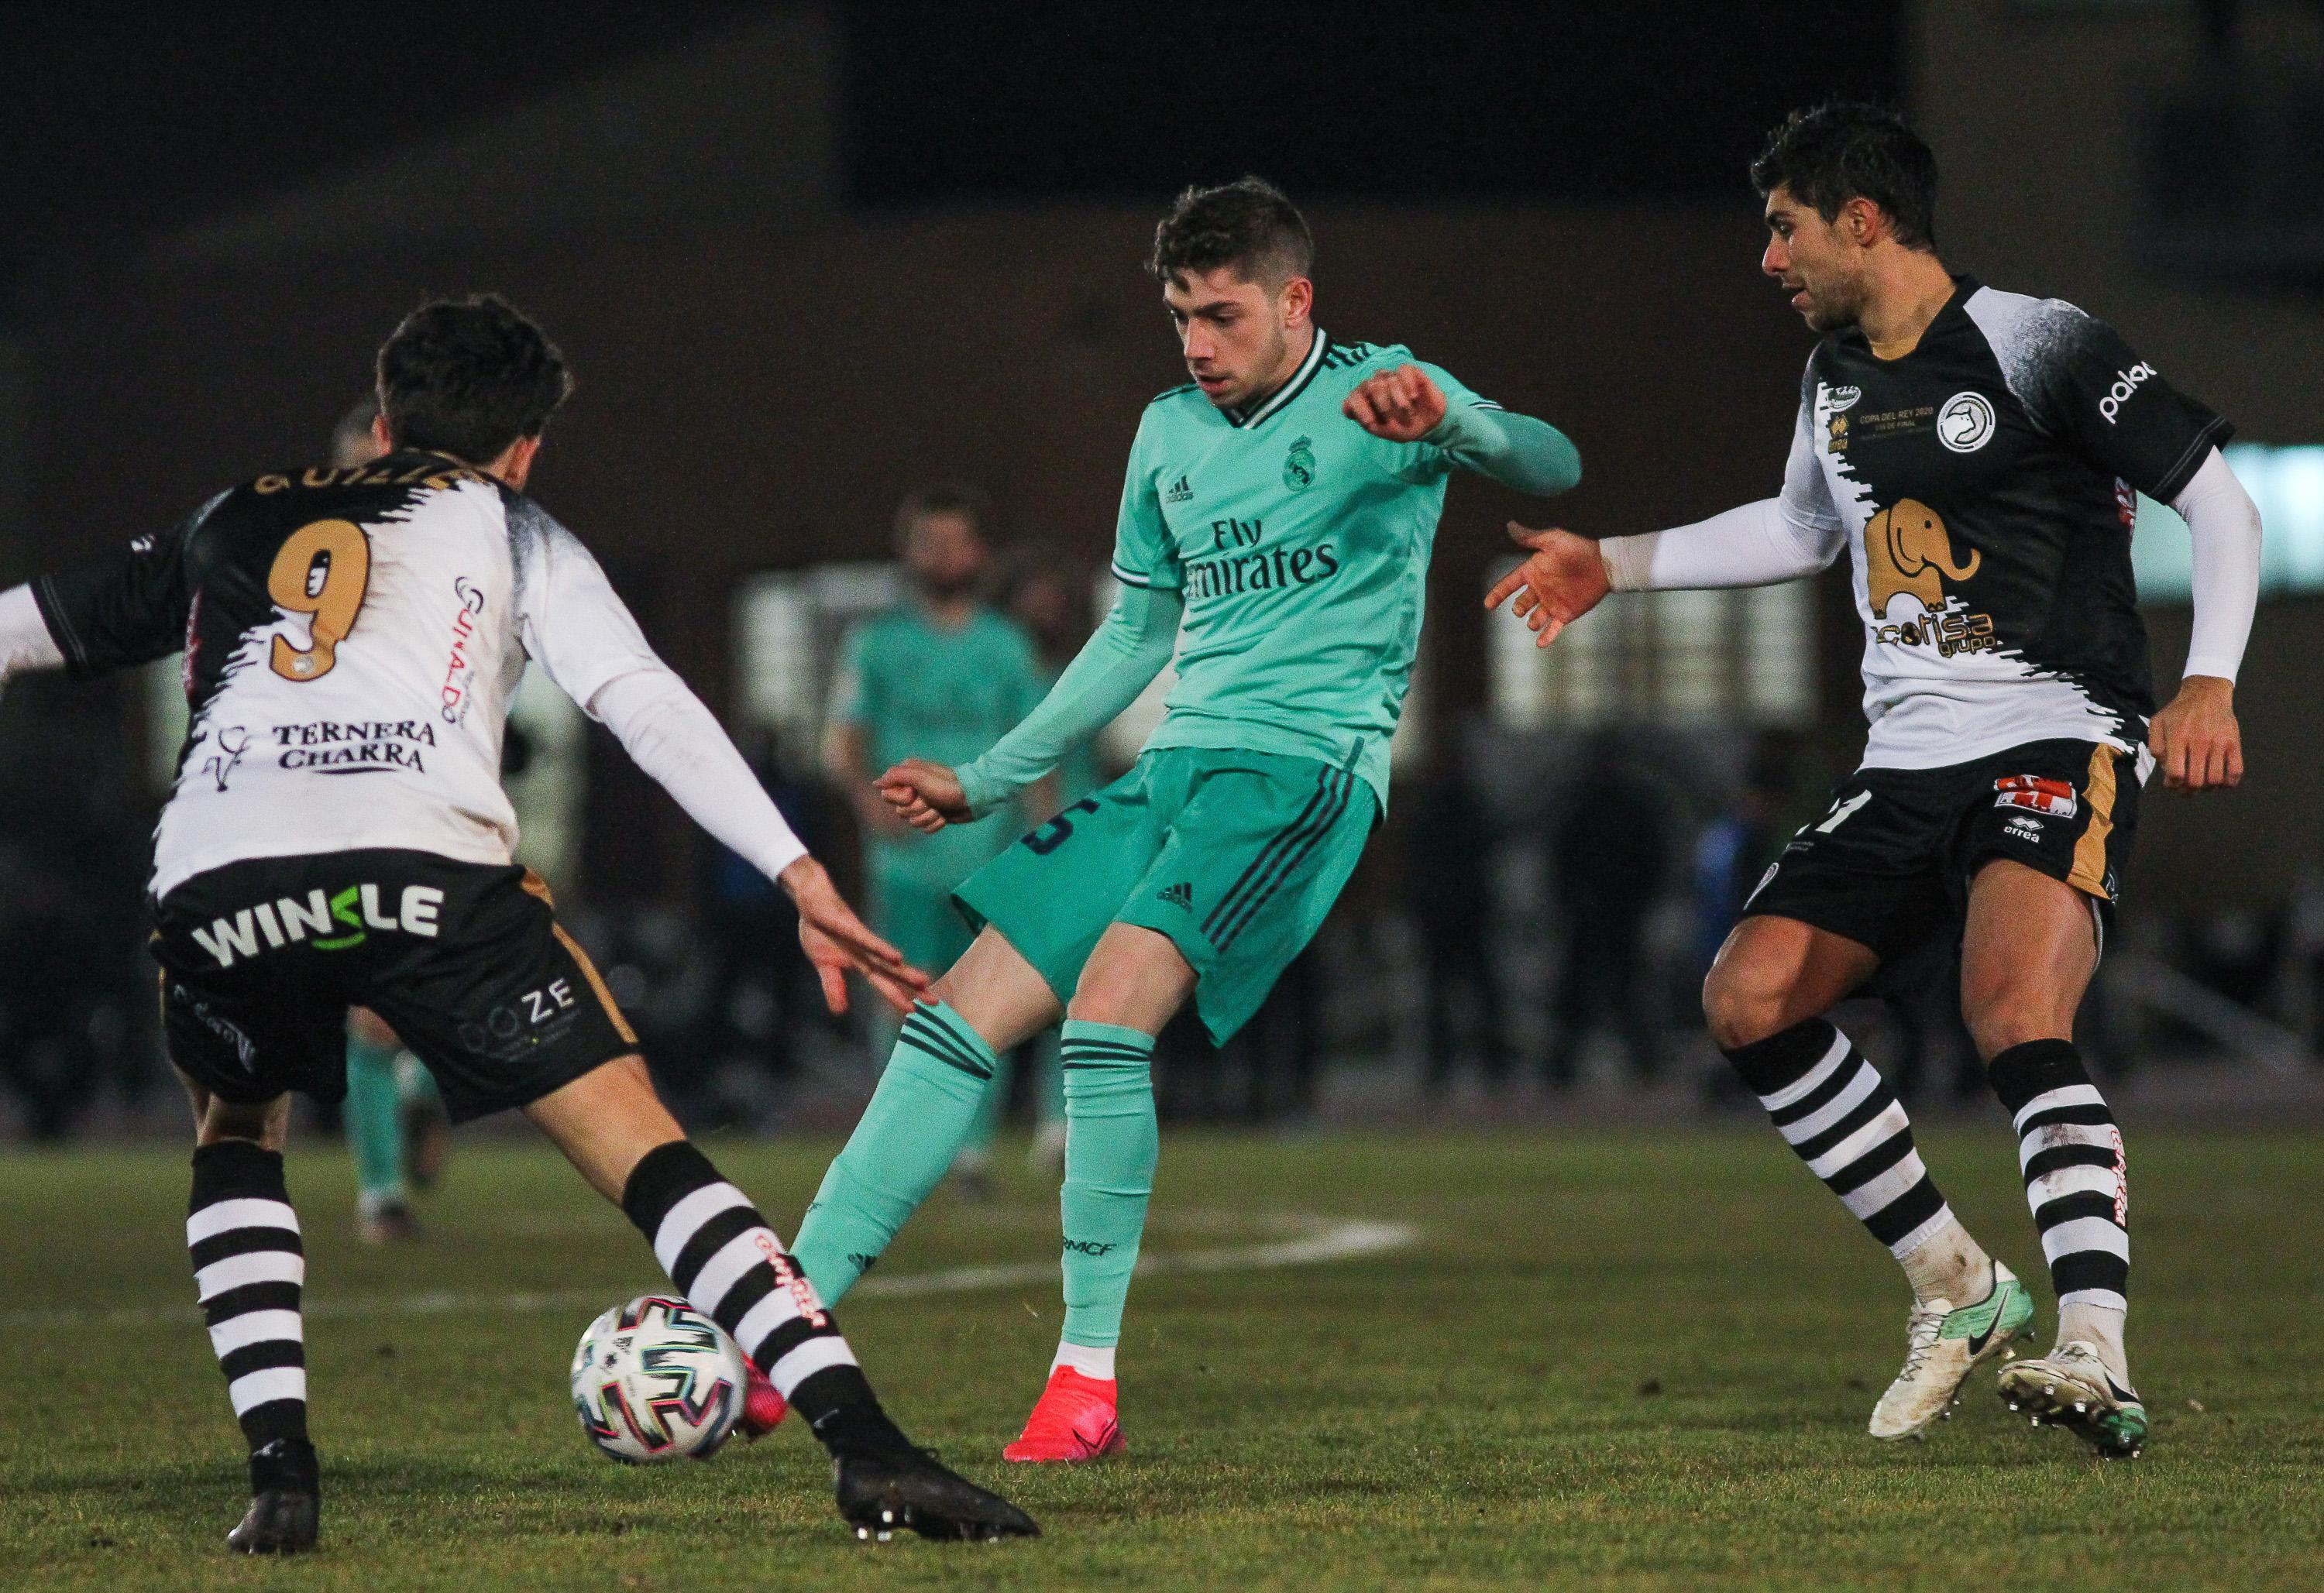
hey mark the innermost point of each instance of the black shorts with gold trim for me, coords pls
(467, 963)
(1889, 862)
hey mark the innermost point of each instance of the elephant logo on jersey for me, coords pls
(1299, 466)
(1907, 549)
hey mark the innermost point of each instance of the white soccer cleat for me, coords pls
(2071, 1388)
(1943, 1343)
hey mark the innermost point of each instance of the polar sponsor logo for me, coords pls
(330, 923)
(362, 747)
(2054, 798)
(1842, 398)
(246, 1049)
(2126, 383)
(458, 668)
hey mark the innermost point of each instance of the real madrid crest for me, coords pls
(1299, 466)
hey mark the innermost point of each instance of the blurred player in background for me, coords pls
(1282, 505)
(338, 836)
(944, 671)
(393, 1115)
(1979, 455)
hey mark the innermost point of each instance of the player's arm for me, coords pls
(124, 610)
(2195, 738)
(26, 643)
(846, 741)
(1417, 405)
(578, 630)
(2090, 390)
(1796, 533)
(1120, 660)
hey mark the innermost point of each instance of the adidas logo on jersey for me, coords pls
(355, 912)
(1181, 897)
(1179, 492)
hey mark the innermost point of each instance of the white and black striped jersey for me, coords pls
(1986, 485)
(351, 638)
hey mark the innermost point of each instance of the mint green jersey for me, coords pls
(917, 689)
(1300, 542)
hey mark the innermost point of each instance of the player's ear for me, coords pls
(1296, 302)
(1861, 222)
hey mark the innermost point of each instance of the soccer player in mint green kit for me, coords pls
(945, 675)
(1276, 525)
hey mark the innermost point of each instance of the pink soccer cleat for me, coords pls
(763, 1409)
(1076, 1421)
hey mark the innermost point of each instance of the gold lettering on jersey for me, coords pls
(1908, 551)
(272, 484)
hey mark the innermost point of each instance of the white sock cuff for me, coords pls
(1089, 1360)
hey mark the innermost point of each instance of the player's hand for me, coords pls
(839, 943)
(1563, 580)
(2196, 738)
(927, 795)
(1402, 405)
(877, 816)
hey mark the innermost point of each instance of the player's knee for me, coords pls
(1742, 1005)
(2002, 1011)
(265, 1123)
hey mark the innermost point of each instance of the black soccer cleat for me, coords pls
(883, 1489)
(286, 1500)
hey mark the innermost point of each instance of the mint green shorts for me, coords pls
(1236, 856)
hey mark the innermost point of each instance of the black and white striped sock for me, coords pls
(249, 1271)
(1834, 1109)
(2071, 1153)
(726, 1260)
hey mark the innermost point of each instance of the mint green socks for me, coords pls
(924, 1110)
(372, 1117)
(1111, 1146)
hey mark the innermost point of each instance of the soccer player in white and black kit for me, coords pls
(337, 836)
(1979, 455)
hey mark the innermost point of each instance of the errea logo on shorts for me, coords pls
(2126, 383)
(336, 923)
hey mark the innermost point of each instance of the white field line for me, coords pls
(1313, 1240)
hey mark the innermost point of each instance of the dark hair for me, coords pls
(1248, 224)
(944, 498)
(1843, 151)
(469, 376)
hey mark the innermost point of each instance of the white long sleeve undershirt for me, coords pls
(24, 639)
(2225, 526)
(1754, 544)
(671, 734)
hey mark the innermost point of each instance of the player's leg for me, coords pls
(726, 1259)
(1048, 1155)
(1133, 983)
(1772, 981)
(1042, 904)
(1258, 849)
(374, 1117)
(250, 1272)
(2027, 956)
(924, 1110)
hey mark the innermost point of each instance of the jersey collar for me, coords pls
(1290, 390)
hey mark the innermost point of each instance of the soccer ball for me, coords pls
(655, 1380)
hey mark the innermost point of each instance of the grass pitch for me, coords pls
(1627, 1358)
